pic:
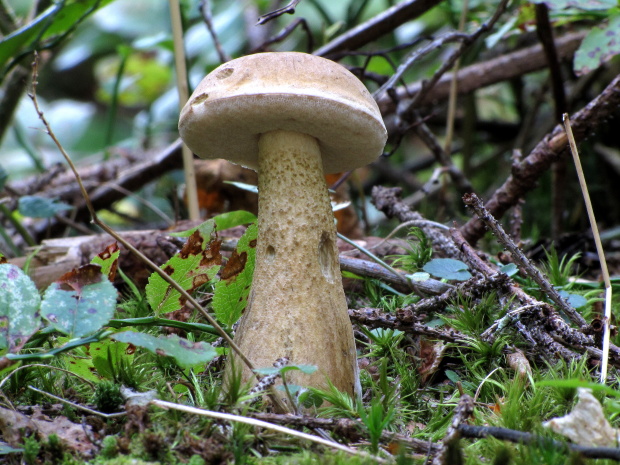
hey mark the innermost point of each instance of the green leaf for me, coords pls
(266, 371)
(80, 302)
(599, 46)
(12, 44)
(19, 308)
(108, 260)
(206, 226)
(452, 376)
(6, 449)
(574, 300)
(185, 353)
(40, 207)
(231, 219)
(588, 5)
(56, 20)
(510, 269)
(232, 291)
(447, 268)
(109, 356)
(419, 276)
(310, 399)
(195, 265)
(307, 369)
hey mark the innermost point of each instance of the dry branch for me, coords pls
(525, 174)
(486, 73)
(374, 28)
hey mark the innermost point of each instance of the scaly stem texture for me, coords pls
(297, 308)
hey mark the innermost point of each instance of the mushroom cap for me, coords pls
(292, 91)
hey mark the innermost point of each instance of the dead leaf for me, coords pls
(14, 426)
(77, 278)
(519, 363)
(431, 355)
(234, 265)
(586, 425)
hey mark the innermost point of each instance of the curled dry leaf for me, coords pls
(519, 363)
(586, 425)
(431, 355)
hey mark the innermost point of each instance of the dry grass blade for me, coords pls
(266, 425)
(597, 241)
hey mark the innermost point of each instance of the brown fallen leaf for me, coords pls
(15, 425)
(586, 424)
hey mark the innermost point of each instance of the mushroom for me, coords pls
(292, 117)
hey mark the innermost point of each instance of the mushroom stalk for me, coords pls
(297, 307)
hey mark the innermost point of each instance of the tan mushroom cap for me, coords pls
(291, 91)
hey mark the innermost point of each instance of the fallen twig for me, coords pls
(384, 23)
(472, 200)
(348, 428)
(388, 200)
(288, 9)
(486, 73)
(402, 320)
(526, 173)
(264, 424)
(471, 431)
(462, 413)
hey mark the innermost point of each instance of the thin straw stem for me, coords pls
(597, 241)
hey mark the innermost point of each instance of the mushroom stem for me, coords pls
(297, 307)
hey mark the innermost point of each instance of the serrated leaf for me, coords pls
(80, 302)
(35, 206)
(208, 225)
(599, 46)
(108, 261)
(185, 353)
(232, 291)
(447, 268)
(231, 219)
(195, 265)
(19, 308)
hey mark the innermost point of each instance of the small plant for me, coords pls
(31, 450)
(383, 341)
(107, 397)
(419, 251)
(559, 270)
(109, 447)
(341, 404)
(376, 419)
(293, 392)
